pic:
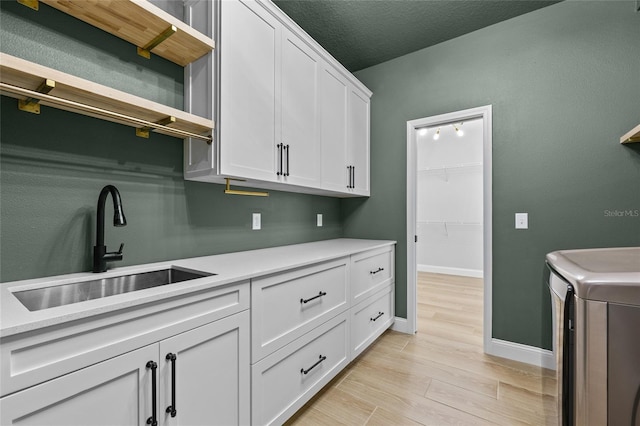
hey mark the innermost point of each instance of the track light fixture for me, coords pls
(437, 135)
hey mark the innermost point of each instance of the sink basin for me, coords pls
(49, 297)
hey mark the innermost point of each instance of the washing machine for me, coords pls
(595, 296)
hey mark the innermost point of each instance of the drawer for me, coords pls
(370, 319)
(33, 357)
(279, 385)
(370, 272)
(286, 306)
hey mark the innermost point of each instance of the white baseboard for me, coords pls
(401, 325)
(451, 271)
(523, 353)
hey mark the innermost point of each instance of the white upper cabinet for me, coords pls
(333, 129)
(283, 108)
(299, 115)
(248, 89)
(358, 141)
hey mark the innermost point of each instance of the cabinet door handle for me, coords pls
(376, 271)
(153, 420)
(349, 172)
(322, 293)
(353, 174)
(287, 174)
(322, 358)
(172, 408)
(378, 316)
(279, 172)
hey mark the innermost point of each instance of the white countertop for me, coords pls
(229, 268)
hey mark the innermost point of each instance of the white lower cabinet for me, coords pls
(285, 380)
(113, 392)
(370, 319)
(210, 373)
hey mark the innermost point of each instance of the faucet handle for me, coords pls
(121, 247)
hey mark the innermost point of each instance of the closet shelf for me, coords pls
(632, 136)
(452, 167)
(142, 24)
(34, 84)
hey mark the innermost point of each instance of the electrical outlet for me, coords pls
(256, 222)
(319, 219)
(522, 220)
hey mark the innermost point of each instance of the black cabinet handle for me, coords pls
(279, 172)
(172, 408)
(349, 171)
(322, 358)
(287, 174)
(322, 293)
(153, 420)
(378, 316)
(353, 174)
(375, 272)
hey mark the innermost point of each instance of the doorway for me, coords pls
(457, 221)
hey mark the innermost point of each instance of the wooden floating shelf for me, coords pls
(23, 80)
(631, 136)
(142, 24)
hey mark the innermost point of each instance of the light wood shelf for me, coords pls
(632, 136)
(75, 94)
(140, 22)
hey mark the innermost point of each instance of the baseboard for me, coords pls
(523, 353)
(451, 271)
(401, 325)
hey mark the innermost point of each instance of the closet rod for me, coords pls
(77, 106)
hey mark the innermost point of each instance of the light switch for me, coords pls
(256, 223)
(319, 219)
(522, 220)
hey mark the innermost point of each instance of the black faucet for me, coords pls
(100, 255)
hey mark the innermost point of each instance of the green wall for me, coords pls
(564, 82)
(53, 166)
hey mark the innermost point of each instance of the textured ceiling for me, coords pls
(362, 33)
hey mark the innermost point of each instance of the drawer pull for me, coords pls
(322, 293)
(322, 358)
(172, 408)
(378, 316)
(153, 420)
(375, 272)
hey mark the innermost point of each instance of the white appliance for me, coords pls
(596, 325)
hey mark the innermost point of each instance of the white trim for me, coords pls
(483, 112)
(475, 273)
(401, 325)
(523, 353)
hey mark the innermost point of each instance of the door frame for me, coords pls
(484, 113)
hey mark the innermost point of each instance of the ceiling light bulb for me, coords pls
(459, 131)
(437, 135)
(422, 132)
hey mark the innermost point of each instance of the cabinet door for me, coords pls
(333, 115)
(358, 142)
(250, 38)
(211, 373)
(113, 392)
(299, 114)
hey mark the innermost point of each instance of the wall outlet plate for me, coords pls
(522, 220)
(319, 219)
(256, 222)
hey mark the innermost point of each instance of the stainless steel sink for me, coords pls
(49, 297)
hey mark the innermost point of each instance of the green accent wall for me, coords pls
(564, 82)
(53, 166)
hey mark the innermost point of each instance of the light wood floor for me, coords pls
(439, 376)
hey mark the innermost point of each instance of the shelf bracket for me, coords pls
(143, 132)
(33, 4)
(145, 51)
(32, 105)
(230, 191)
